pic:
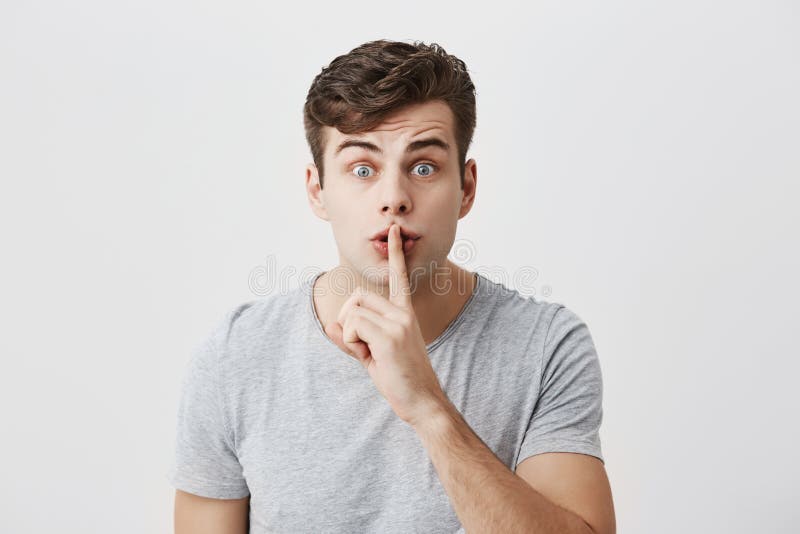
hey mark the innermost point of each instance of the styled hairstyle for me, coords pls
(359, 89)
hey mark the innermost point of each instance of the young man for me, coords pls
(396, 392)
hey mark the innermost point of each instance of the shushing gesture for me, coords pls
(384, 335)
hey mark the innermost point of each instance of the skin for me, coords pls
(395, 192)
(194, 514)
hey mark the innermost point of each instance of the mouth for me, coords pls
(382, 247)
(405, 235)
(380, 241)
(402, 237)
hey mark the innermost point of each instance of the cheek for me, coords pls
(347, 223)
(443, 202)
(340, 205)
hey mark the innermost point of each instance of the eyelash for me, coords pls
(435, 168)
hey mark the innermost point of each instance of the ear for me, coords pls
(315, 193)
(470, 186)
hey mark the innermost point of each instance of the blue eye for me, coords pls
(361, 171)
(426, 173)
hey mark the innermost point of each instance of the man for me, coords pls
(396, 392)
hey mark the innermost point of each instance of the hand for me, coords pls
(384, 335)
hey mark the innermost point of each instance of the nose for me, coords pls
(395, 198)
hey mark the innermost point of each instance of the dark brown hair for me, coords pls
(359, 89)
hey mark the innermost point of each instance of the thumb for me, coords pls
(358, 350)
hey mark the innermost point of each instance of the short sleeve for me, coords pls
(569, 409)
(205, 461)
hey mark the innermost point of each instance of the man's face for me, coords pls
(409, 176)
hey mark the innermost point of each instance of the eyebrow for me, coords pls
(412, 147)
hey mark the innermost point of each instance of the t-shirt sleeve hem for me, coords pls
(204, 489)
(560, 445)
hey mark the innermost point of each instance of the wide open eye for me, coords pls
(430, 169)
(362, 171)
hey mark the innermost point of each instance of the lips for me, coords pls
(405, 234)
(383, 246)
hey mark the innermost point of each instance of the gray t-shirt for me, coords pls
(271, 407)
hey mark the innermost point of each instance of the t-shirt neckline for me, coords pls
(459, 318)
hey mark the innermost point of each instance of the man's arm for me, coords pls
(571, 495)
(201, 515)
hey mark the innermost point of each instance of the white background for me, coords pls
(641, 156)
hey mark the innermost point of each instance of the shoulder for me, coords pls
(248, 321)
(545, 328)
(517, 311)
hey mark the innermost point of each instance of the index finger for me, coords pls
(399, 287)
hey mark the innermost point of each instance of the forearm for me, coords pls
(485, 494)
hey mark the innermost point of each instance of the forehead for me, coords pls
(433, 118)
